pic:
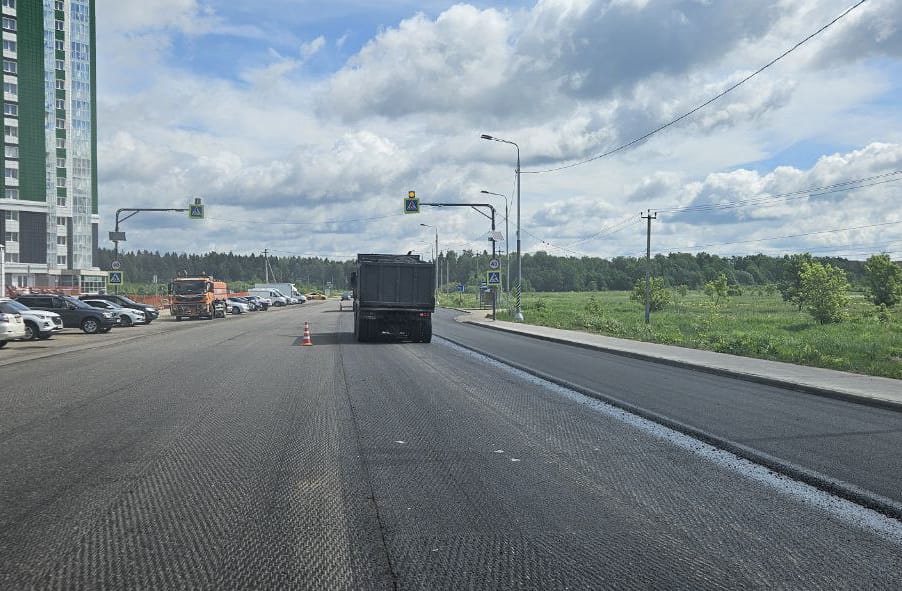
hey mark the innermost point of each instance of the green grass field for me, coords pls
(761, 326)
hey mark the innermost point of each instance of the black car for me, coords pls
(150, 313)
(74, 312)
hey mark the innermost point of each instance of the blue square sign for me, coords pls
(493, 278)
(116, 277)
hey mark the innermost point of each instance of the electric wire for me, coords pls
(704, 104)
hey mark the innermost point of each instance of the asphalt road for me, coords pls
(847, 442)
(224, 455)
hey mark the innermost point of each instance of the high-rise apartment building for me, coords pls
(48, 205)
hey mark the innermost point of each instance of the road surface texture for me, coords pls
(225, 455)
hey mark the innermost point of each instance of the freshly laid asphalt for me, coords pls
(226, 455)
(851, 443)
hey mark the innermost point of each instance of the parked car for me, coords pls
(38, 324)
(252, 304)
(315, 295)
(262, 303)
(74, 312)
(236, 306)
(150, 312)
(346, 296)
(126, 316)
(12, 328)
(273, 295)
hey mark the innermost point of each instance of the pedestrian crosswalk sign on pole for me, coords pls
(116, 277)
(196, 211)
(411, 203)
(493, 277)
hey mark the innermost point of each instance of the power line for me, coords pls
(704, 104)
(679, 248)
(849, 185)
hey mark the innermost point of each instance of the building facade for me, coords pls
(48, 205)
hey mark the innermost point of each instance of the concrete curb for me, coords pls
(749, 377)
(820, 481)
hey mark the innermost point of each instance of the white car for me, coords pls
(237, 306)
(12, 328)
(125, 316)
(39, 324)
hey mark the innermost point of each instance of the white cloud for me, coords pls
(565, 79)
(311, 48)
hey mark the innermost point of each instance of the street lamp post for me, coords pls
(435, 256)
(519, 315)
(507, 246)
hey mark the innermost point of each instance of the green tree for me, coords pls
(822, 290)
(790, 284)
(659, 297)
(718, 290)
(884, 280)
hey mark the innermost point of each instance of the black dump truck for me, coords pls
(394, 295)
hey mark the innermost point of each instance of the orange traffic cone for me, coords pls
(307, 342)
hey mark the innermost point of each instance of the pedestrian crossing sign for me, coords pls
(411, 205)
(116, 277)
(196, 211)
(493, 277)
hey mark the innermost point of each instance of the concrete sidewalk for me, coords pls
(827, 382)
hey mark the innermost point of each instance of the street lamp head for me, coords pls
(426, 225)
(487, 137)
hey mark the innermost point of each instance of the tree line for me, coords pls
(541, 271)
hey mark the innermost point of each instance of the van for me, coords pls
(278, 299)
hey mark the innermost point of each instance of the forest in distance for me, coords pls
(541, 271)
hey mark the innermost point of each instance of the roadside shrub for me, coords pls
(884, 279)
(822, 290)
(659, 297)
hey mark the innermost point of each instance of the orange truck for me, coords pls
(198, 297)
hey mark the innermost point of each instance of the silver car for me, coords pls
(124, 316)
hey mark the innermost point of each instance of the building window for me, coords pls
(60, 65)
(60, 26)
(60, 201)
(60, 45)
(9, 23)
(9, 4)
(11, 193)
(60, 221)
(58, 5)
(12, 216)
(10, 67)
(61, 182)
(61, 260)
(11, 88)
(61, 124)
(11, 131)
(61, 85)
(12, 236)
(10, 45)
(11, 109)
(60, 104)
(61, 163)
(61, 240)
(11, 152)
(12, 257)
(12, 173)
(60, 143)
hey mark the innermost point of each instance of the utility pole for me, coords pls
(648, 217)
(266, 263)
(2, 269)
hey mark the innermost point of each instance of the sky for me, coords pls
(303, 125)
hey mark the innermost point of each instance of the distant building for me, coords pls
(48, 205)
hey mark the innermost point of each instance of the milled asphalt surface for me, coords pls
(852, 443)
(227, 456)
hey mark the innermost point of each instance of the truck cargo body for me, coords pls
(393, 295)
